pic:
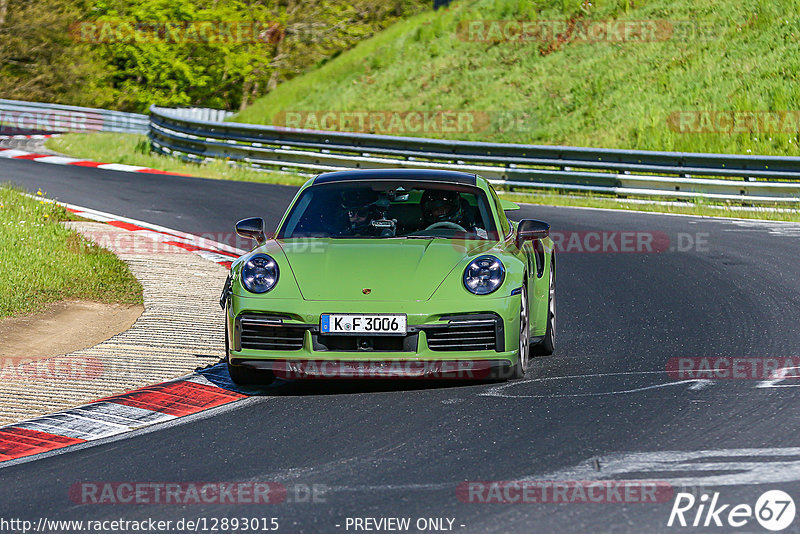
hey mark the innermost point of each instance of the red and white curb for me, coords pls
(112, 416)
(35, 136)
(211, 250)
(13, 153)
(141, 407)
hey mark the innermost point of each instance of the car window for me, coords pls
(390, 210)
(505, 226)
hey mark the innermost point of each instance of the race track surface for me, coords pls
(401, 450)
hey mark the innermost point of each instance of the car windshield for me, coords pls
(390, 210)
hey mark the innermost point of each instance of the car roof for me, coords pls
(422, 175)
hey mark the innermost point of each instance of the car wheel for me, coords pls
(524, 336)
(547, 345)
(245, 376)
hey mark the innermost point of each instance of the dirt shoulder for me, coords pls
(64, 327)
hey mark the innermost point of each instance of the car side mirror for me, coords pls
(530, 230)
(252, 228)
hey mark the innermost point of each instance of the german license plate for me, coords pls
(356, 323)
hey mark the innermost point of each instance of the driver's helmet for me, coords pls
(439, 205)
(358, 207)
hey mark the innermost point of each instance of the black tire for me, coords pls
(547, 345)
(245, 376)
(518, 371)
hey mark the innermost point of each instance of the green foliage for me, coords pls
(191, 68)
(85, 52)
(38, 59)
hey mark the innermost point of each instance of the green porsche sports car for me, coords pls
(391, 273)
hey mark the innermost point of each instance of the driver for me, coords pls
(442, 206)
(359, 209)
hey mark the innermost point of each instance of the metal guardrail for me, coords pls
(635, 173)
(16, 115)
(201, 114)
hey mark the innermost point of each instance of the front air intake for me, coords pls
(466, 333)
(269, 333)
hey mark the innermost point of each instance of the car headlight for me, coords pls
(484, 275)
(260, 274)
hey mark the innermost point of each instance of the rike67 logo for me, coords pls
(774, 511)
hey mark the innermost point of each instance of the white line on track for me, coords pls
(498, 391)
(711, 467)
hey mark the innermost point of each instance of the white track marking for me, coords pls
(777, 228)
(120, 167)
(713, 467)
(499, 391)
(13, 153)
(701, 384)
(57, 160)
(780, 376)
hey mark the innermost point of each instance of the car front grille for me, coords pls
(481, 332)
(269, 333)
(338, 343)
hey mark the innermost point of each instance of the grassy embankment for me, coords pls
(739, 55)
(41, 261)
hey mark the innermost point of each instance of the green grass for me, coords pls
(597, 94)
(133, 149)
(41, 261)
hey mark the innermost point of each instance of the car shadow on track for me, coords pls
(218, 375)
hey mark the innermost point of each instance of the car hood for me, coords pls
(391, 269)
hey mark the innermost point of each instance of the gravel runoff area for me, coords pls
(180, 330)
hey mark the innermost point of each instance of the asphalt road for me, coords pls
(401, 450)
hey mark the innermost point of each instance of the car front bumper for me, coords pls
(283, 336)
